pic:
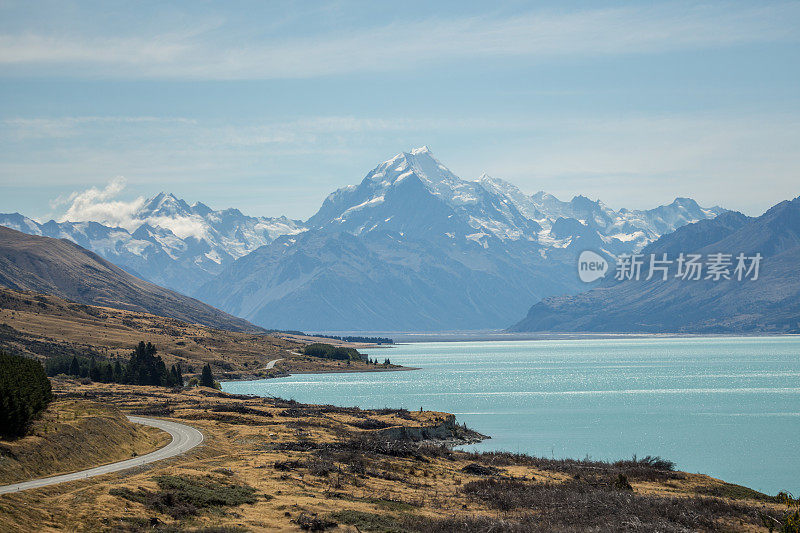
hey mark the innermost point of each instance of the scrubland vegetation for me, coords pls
(270, 464)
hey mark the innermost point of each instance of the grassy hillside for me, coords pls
(62, 268)
(72, 435)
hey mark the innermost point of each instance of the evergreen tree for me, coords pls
(145, 367)
(119, 375)
(108, 373)
(94, 371)
(24, 393)
(175, 377)
(74, 367)
(207, 378)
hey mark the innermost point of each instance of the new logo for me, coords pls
(591, 266)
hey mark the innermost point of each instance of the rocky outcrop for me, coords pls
(446, 431)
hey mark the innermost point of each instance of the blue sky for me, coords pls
(268, 107)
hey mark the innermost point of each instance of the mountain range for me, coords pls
(61, 268)
(412, 247)
(770, 303)
(168, 241)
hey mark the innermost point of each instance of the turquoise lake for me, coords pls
(728, 407)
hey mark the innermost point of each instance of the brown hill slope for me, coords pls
(41, 326)
(44, 326)
(62, 268)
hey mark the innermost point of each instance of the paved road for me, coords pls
(184, 438)
(272, 363)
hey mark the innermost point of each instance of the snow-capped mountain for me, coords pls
(414, 247)
(494, 206)
(168, 242)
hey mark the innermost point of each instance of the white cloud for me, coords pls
(182, 226)
(102, 205)
(201, 53)
(99, 205)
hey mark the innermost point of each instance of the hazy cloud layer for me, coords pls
(198, 52)
(269, 106)
(610, 158)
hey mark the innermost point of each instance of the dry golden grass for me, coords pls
(306, 460)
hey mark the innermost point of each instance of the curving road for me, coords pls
(184, 438)
(271, 364)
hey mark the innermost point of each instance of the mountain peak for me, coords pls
(421, 150)
(164, 204)
(684, 202)
(163, 197)
(419, 162)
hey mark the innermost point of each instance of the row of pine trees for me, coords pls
(144, 367)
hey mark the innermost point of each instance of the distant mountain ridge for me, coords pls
(171, 243)
(769, 304)
(414, 247)
(62, 268)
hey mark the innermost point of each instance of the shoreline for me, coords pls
(351, 467)
(402, 338)
(285, 374)
(354, 371)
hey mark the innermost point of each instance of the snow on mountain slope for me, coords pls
(353, 208)
(169, 242)
(495, 206)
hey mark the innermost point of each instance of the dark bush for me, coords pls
(184, 496)
(579, 506)
(370, 423)
(481, 470)
(645, 469)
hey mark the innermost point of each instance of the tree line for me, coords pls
(339, 353)
(356, 338)
(24, 393)
(143, 367)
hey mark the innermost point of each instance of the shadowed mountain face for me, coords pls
(769, 304)
(62, 268)
(414, 247)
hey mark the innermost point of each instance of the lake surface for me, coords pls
(728, 407)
